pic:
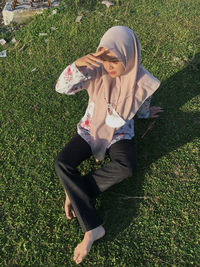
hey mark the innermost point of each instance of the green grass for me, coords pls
(151, 219)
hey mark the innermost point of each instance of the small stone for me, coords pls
(107, 3)
(2, 41)
(53, 29)
(78, 19)
(178, 60)
(34, 69)
(42, 34)
(3, 53)
(54, 11)
(13, 40)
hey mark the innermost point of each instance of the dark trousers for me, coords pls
(82, 190)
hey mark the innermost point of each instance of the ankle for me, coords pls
(89, 235)
(95, 233)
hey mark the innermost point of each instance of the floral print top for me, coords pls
(72, 81)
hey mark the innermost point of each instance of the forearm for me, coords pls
(71, 80)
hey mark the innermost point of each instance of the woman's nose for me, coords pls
(110, 66)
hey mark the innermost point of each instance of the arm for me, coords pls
(74, 78)
(71, 80)
(145, 111)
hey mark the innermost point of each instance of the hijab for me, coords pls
(121, 96)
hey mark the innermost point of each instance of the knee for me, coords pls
(63, 165)
(131, 170)
(128, 168)
(59, 163)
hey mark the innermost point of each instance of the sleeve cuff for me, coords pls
(147, 115)
(80, 73)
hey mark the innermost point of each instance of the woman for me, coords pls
(118, 88)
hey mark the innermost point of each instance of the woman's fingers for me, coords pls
(86, 63)
(94, 61)
(154, 110)
(103, 50)
(156, 107)
(95, 58)
(89, 64)
(89, 60)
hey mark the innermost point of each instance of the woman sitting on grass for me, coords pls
(118, 88)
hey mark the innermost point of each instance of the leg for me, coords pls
(84, 247)
(77, 193)
(75, 185)
(69, 150)
(121, 166)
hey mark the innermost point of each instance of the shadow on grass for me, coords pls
(177, 126)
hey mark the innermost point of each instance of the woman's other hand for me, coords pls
(154, 111)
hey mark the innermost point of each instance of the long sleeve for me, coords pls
(144, 110)
(72, 80)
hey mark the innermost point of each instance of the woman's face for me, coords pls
(111, 64)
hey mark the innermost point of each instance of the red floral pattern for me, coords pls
(86, 120)
(71, 81)
(68, 74)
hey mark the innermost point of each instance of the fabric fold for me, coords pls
(125, 93)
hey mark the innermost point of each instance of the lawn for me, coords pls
(152, 218)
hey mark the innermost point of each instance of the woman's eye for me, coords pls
(114, 62)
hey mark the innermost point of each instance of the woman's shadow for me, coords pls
(178, 125)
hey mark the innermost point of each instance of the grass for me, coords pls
(151, 219)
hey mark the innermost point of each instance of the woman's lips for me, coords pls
(112, 73)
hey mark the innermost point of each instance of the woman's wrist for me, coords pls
(76, 64)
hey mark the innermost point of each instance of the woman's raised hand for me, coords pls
(90, 59)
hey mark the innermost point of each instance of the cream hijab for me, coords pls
(125, 93)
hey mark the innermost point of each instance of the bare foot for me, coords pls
(69, 212)
(84, 247)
